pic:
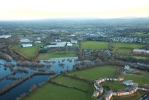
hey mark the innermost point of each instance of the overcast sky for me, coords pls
(41, 9)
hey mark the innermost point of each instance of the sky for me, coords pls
(44, 9)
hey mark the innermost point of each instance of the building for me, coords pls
(73, 41)
(5, 36)
(141, 51)
(108, 95)
(95, 94)
(130, 83)
(25, 40)
(26, 45)
(58, 44)
(37, 42)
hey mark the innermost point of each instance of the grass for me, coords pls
(140, 57)
(146, 74)
(58, 54)
(95, 73)
(94, 45)
(123, 50)
(141, 34)
(71, 82)
(136, 96)
(126, 45)
(54, 92)
(114, 85)
(28, 52)
(137, 79)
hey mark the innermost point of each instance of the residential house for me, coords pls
(108, 95)
(95, 94)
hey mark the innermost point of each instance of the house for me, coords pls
(26, 45)
(127, 67)
(143, 88)
(108, 95)
(120, 78)
(95, 94)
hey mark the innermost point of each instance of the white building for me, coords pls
(60, 44)
(25, 40)
(74, 41)
(5, 36)
(26, 45)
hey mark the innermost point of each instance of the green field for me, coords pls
(95, 73)
(127, 45)
(123, 50)
(72, 82)
(140, 57)
(55, 92)
(113, 85)
(141, 34)
(138, 79)
(28, 52)
(94, 45)
(59, 54)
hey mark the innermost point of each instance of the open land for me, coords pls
(49, 90)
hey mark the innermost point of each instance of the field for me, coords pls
(138, 79)
(140, 57)
(113, 85)
(95, 73)
(126, 45)
(94, 45)
(28, 52)
(72, 82)
(58, 54)
(123, 50)
(55, 92)
(141, 34)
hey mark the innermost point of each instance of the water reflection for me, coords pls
(56, 64)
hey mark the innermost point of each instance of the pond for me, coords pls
(56, 64)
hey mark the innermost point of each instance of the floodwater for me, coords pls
(26, 85)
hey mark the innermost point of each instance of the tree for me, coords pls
(33, 87)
